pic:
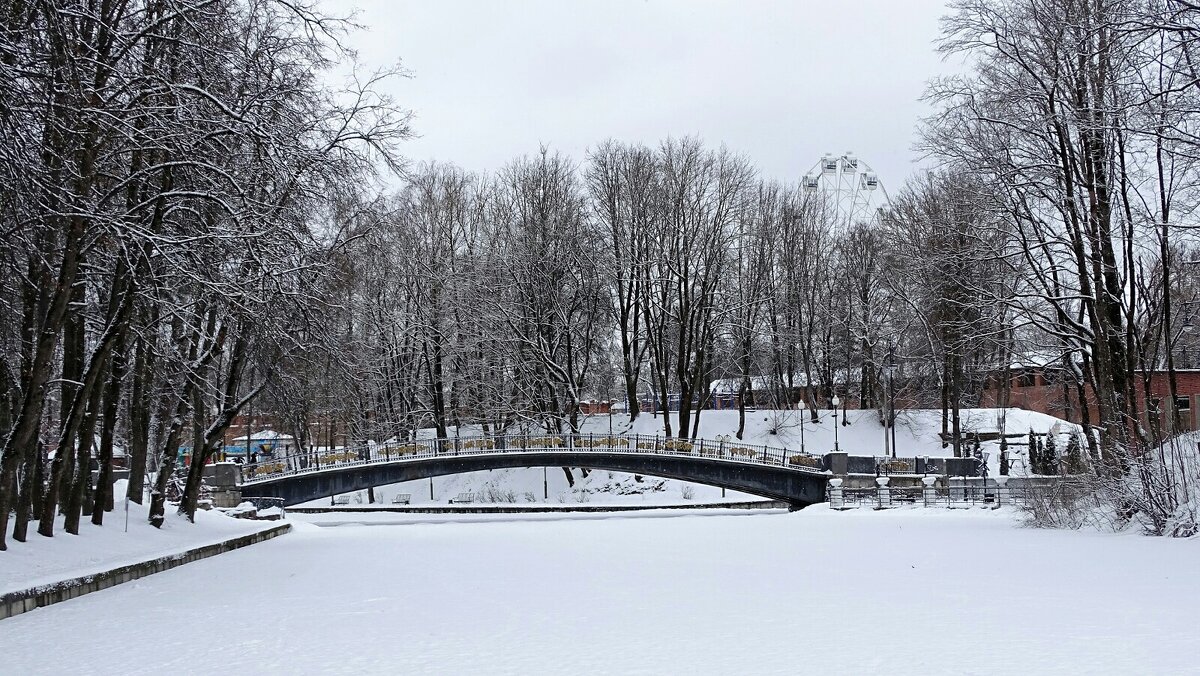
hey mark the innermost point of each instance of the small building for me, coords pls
(266, 442)
(593, 407)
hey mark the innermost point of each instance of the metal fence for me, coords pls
(726, 451)
(955, 494)
(261, 504)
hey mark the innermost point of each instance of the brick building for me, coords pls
(1044, 389)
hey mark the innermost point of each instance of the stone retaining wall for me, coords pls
(24, 600)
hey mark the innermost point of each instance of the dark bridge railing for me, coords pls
(730, 451)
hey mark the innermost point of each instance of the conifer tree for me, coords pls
(1049, 456)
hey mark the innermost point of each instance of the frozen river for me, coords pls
(920, 592)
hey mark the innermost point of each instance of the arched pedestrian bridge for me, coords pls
(798, 478)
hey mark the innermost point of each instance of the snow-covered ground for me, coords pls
(902, 592)
(917, 433)
(524, 486)
(43, 560)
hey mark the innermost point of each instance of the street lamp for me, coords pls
(889, 369)
(836, 402)
(721, 439)
(800, 406)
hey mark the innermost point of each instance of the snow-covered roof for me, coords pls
(734, 385)
(763, 383)
(265, 435)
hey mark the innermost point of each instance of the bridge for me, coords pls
(798, 478)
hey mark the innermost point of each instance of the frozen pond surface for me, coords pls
(907, 591)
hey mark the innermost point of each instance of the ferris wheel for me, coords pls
(850, 186)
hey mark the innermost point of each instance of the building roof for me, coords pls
(265, 435)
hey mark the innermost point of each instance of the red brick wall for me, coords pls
(1052, 399)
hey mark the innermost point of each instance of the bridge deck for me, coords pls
(772, 472)
(532, 447)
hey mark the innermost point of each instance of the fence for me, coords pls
(952, 493)
(262, 504)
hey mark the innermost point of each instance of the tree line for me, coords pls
(194, 220)
(173, 173)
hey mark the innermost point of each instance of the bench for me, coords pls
(402, 499)
(341, 500)
(463, 498)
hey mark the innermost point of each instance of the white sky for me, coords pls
(781, 82)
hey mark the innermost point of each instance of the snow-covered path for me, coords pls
(907, 591)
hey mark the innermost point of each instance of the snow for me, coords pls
(265, 435)
(917, 433)
(41, 560)
(524, 486)
(904, 592)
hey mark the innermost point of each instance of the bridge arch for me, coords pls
(768, 472)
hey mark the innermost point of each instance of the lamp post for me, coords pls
(889, 370)
(836, 402)
(800, 406)
(721, 439)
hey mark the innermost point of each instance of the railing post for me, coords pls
(1002, 496)
(836, 498)
(928, 491)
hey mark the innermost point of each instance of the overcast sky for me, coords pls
(781, 82)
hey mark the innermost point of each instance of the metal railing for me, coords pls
(976, 494)
(421, 449)
(264, 503)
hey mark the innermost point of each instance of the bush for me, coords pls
(1157, 489)
(687, 491)
(339, 456)
(1062, 504)
(602, 442)
(270, 468)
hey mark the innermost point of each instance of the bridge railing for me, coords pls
(529, 443)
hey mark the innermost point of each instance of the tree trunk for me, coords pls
(140, 403)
